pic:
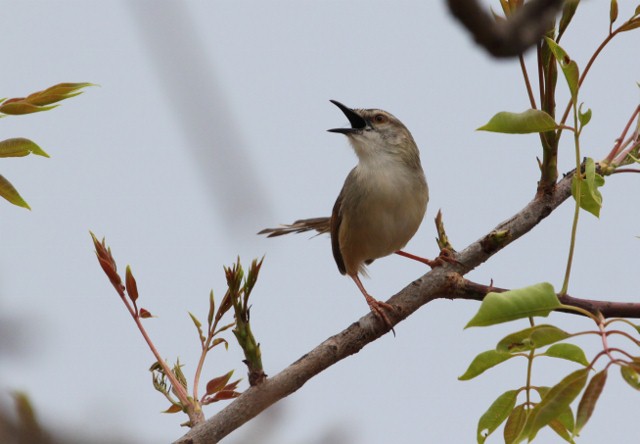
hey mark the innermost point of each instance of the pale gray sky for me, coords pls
(208, 125)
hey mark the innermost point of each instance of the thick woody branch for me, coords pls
(441, 282)
(510, 37)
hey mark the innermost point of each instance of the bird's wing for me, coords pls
(336, 220)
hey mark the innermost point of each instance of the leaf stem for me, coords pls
(580, 310)
(584, 73)
(625, 334)
(622, 352)
(577, 195)
(605, 341)
(626, 321)
(529, 372)
(531, 356)
(618, 149)
(206, 347)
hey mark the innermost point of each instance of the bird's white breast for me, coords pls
(384, 210)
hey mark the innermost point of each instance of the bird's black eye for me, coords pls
(380, 118)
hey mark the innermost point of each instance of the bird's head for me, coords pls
(375, 134)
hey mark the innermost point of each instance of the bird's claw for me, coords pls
(378, 308)
(446, 256)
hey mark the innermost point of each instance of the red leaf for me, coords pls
(173, 409)
(144, 314)
(231, 386)
(114, 278)
(225, 394)
(103, 251)
(217, 384)
(132, 287)
(589, 399)
(108, 264)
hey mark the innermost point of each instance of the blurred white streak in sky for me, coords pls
(188, 79)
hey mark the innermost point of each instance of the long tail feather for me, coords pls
(319, 224)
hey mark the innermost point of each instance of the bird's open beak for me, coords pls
(356, 121)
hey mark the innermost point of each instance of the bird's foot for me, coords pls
(446, 256)
(378, 308)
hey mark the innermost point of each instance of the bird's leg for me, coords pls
(376, 306)
(445, 256)
(424, 260)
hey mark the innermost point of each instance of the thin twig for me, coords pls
(525, 75)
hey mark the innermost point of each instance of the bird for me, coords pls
(382, 202)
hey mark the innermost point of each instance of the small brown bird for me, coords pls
(382, 202)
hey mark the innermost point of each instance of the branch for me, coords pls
(441, 282)
(510, 37)
(476, 292)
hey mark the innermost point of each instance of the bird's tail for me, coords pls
(319, 224)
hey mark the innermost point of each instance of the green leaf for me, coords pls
(529, 121)
(56, 93)
(569, 352)
(630, 376)
(218, 341)
(198, 325)
(20, 107)
(565, 418)
(589, 400)
(561, 430)
(585, 117)
(568, 11)
(535, 300)
(557, 400)
(531, 338)
(515, 424)
(542, 390)
(613, 11)
(225, 327)
(590, 197)
(177, 372)
(496, 414)
(11, 194)
(631, 24)
(212, 309)
(568, 66)
(20, 147)
(484, 361)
